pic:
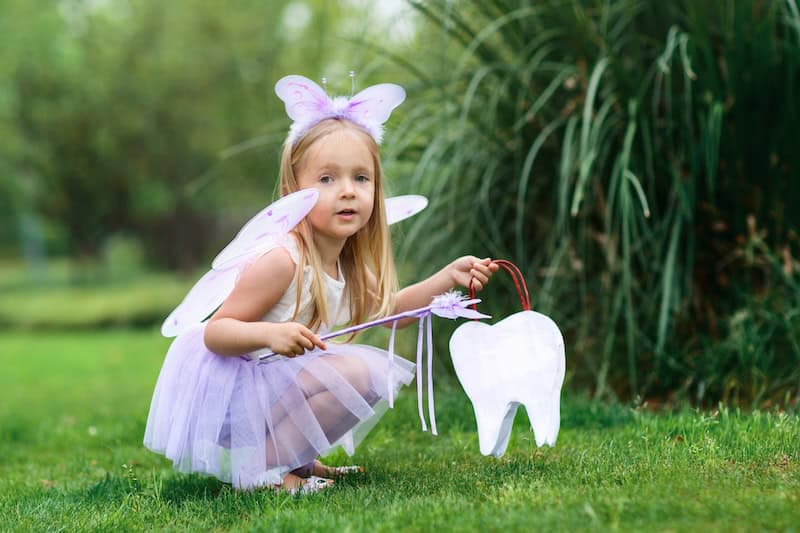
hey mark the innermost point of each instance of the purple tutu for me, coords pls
(249, 423)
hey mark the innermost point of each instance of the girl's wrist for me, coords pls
(452, 275)
(267, 334)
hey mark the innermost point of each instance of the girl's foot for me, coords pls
(295, 485)
(335, 471)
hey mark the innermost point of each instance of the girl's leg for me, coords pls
(292, 483)
(333, 417)
(318, 468)
(334, 420)
(352, 369)
(324, 470)
(306, 470)
(357, 373)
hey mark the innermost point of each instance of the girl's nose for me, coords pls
(347, 187)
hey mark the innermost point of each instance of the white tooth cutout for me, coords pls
(519, 360)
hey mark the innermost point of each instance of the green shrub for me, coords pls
(627, 155)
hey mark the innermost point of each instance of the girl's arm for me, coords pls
(236, 327)
(457, 273)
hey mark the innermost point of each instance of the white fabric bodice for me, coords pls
(335, 296)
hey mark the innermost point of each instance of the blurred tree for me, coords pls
(19, 43)
(151, 117)
(135, 109)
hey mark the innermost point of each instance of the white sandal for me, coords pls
(310, 485)
(345, 470)
(336, 471)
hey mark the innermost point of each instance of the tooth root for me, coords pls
(545, 420)
(544, 407)
(494, 426)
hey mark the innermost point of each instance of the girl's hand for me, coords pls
(470, 268)
(291, 339)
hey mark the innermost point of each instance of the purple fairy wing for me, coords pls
(375, 104)
(203, 298)
(304, 99)
(401, 207)
(260, 234)
(271, 223)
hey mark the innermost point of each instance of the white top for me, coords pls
(335, 296)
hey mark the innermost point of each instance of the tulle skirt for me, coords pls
(249, 423)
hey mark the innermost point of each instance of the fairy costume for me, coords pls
(250, 422)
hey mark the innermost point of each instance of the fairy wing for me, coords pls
(266, 230)
(401, 207)
(203, 298)
(303, 98)
(211, 290)
(275, 220)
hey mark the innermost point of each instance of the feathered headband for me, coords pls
(307, 104)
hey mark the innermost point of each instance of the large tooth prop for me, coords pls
(519, 360)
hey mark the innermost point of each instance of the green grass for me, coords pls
(55, 300)
(74, 407)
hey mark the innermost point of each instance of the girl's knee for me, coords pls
(308, 383)
(354, 371)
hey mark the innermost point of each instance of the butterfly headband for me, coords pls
(307, 104)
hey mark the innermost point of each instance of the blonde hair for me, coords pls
(368, 251)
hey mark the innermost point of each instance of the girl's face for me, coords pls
(341, 167)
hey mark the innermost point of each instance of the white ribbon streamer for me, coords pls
(431, 410)
(419, 374)
(390, 380)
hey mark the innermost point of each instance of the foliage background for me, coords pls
(635, 158)
(152, 120)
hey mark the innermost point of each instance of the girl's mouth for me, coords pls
(346, 212)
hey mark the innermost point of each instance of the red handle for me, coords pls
(519, 282)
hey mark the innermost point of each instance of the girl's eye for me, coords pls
(326, 179)
(362, 177)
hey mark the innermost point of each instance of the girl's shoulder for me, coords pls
(276, 264)
(285, 251)
(261, 284)
(275, 268)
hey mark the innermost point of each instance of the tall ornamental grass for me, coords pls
(638, 161)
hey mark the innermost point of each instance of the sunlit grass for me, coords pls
(74, 407)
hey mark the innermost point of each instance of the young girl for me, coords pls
(255, 423)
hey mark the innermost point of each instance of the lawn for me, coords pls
(56, 301)
(73, 411)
